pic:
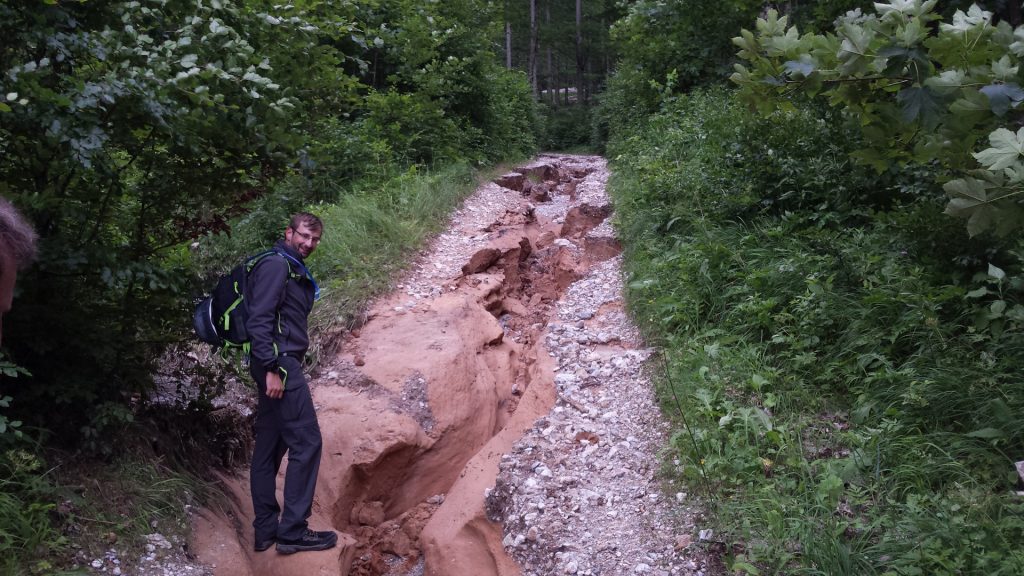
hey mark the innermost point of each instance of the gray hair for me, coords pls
(17, 237)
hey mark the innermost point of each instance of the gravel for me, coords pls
(581, 492)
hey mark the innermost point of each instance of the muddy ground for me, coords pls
(493, 415)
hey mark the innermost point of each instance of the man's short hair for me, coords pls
(311, 221)
(17, 237)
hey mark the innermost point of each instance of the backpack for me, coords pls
(220, 318)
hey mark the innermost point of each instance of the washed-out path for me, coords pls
(493, 416)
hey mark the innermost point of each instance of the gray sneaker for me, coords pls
(309, 540)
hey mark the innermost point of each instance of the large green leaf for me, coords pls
(901, 60)
(854, 49)
(1004, 69)
(784, 44)
(966, 193)
(970, 21)
(947, 81)
(920, 104)
(1005, 151)
(1003, 96)
(800, 68)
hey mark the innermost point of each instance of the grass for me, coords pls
(374, 232)
(56, 520)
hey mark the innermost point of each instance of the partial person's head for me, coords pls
(303, 233)
(17, 250)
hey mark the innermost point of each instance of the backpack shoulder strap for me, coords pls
(257, 258)
(306, 273)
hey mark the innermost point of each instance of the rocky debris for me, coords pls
(541, 193)
(512, 181)
(579, 493)
(481, 261)
(416, 402)
(162, 558)
(581, 219)
(542, 169)
(570, 189)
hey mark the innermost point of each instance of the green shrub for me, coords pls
(567, 128)
(843, 366)
(511, 120)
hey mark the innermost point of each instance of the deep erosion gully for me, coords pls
(445, 375)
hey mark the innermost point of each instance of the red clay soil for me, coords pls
(416, 412)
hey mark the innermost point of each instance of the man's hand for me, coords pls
(275, 388)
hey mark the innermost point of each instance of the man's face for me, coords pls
(8, 274)
(302, 239)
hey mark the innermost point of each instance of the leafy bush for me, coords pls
(567, 128)
(922, 92)
(656, 37)
(843, 362)
(511, 120)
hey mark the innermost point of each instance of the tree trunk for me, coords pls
(579, 51)
(508, 44)
(565, 93)
(550, 81)
(532, 64)
(556, 82)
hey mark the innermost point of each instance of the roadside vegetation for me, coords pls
(843, 358)
(155, 145)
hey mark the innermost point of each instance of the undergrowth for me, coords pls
(60, 512)
(846, 360)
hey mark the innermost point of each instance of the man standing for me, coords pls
(17, 250)
(279, 296)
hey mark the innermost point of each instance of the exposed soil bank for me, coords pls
(443, 379)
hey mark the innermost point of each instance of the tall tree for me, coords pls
(508, 37)
(508, 45)
(551, 82)
(580, 61)
(532, 65)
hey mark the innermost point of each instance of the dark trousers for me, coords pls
(287, 425)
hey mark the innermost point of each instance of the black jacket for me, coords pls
(279, 297)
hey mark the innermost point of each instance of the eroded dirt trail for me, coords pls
(448, 377)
